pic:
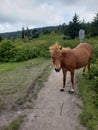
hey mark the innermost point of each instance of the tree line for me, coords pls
(69, 30)
(72, 29)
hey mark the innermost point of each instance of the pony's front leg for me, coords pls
(64, 80)
(72, 81)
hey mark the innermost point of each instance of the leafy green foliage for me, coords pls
(18, 50)
(7, 51)
(94, 71)
(35, 33)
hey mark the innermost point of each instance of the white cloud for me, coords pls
(37, 13)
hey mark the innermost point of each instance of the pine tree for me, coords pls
(94, 26)
(74, 26)
(28, 33)
(0, 38)
(23, 33)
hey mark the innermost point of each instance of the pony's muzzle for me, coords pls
(57, 69)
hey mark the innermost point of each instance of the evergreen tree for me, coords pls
(27, 34)
(0, 38)
(23, 33)
(35, 33)
(87, 28)
(74, 26)
(94, 26)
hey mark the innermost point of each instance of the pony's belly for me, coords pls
(81, 64)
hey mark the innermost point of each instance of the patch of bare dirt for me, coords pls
(55, 110)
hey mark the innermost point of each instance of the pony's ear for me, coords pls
(50, 49)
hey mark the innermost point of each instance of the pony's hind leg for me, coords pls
(84, 70)
(88, 66)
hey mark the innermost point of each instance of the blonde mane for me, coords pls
(67, 48)
(57, 48)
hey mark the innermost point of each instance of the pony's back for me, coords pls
(83, 53)
(86, 46)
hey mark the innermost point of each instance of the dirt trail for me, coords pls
(55, 110)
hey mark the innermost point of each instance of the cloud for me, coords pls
(27, 11)
(37, 13)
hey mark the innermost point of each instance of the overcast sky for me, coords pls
(15, 14)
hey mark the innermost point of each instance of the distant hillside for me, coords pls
(17, 34)
(11, 35)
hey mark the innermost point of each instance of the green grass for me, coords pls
(4, 67)
(89, 115)
(17, 81)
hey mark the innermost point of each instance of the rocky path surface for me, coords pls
(55, 110)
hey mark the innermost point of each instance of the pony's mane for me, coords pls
(57, 48)
(65, 49)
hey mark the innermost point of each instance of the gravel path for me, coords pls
(55, 110)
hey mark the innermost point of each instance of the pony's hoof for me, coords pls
(62, 90)
(70, 92)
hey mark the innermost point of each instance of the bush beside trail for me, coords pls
(17, 50)
(9, 52)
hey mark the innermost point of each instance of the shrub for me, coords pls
(95, 55)
(94, 71)
(25, 53)
(66, 37)
(7, 51)
(44, 53)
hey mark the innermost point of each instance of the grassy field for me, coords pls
(89, 115)
(16, 79)
(20, 83)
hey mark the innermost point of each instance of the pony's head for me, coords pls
(56, 56)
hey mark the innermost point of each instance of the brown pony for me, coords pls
(69, 59)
